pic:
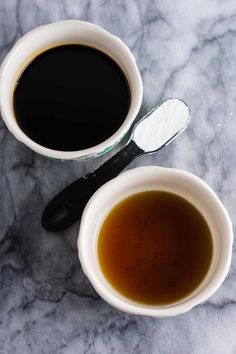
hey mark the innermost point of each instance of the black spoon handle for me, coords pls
(68, 205)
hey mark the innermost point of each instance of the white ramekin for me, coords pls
(140, 179)
(54, 34)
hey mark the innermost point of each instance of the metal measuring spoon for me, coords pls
(154, 131)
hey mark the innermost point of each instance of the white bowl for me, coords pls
(58, 33)
(179, 182)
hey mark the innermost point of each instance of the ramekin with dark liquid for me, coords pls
(71, 119)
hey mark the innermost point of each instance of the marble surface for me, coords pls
(184, 49)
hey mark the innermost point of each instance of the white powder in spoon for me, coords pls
(161, 125)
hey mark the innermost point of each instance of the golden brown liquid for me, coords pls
(155, 248)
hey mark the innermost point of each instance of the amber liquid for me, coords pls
(155, 248)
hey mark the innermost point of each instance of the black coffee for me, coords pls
(71, 97)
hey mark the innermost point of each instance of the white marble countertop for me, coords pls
(185, 49)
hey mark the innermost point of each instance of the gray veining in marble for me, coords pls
(185, 49)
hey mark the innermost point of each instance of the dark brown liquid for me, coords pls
(71, 97)
(155, 248)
